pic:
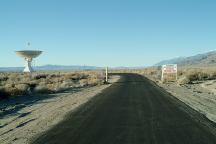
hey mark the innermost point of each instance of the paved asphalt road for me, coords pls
(132, 111)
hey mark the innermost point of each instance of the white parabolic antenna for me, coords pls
(28, 55)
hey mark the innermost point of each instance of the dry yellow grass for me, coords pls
(13, 84)
(186, 74)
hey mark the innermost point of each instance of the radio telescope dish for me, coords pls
(28, 55)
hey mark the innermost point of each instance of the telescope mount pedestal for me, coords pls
(28, 67)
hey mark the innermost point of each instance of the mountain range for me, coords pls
(51, 68)
(206, 59)
(62, 68)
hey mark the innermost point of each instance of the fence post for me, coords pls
(107, 74)
(162, 74)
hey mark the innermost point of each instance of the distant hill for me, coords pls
(50, 68)
(200, 59)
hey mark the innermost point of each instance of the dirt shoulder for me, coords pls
(199, 96)
(25, 117)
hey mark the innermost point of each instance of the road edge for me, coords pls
(194, 114)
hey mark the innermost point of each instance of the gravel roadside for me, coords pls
(196, 96)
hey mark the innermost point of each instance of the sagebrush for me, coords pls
(13, 84)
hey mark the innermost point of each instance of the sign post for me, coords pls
(106, 74)
(169, 69)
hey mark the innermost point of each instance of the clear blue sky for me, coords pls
(106, 32)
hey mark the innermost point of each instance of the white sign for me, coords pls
(169, 69)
